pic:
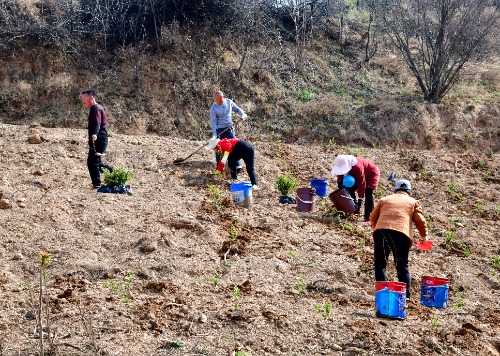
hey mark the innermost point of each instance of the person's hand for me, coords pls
(423, 238)
(244, 116)
(220, 166)
(94, 138)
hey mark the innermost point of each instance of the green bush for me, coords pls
(286, 183)
(119, 176)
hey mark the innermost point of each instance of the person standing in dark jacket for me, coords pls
(97, 136)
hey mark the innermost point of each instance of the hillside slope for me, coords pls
(256, 292)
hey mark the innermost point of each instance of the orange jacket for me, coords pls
(398, 212)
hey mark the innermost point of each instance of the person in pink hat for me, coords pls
(366, 175)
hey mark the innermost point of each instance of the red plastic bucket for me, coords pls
(393, 286)
(343, 201)
(434, 281)
(305, 198)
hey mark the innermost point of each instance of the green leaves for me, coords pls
(119, 176)
(286, 183)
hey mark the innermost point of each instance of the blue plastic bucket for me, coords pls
(320, 186)
(434, 292)
(241, 193)
(390, 300)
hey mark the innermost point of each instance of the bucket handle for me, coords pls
(304, 201)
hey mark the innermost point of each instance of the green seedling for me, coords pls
(292, 254)
(459, 302)
(495, 262)
(234, 231)
(121, 288)
(300, 286)
(455, 192)
(241, 353)
(216, 196)
(118, 177)
(435, 323)
(176, 344)
(236, 293)
(214, 280)
(324, 309)
(306, 95)
(285, 184)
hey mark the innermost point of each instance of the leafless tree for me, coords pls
(437, 38)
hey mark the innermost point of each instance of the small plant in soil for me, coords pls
(285, 184)
(235, 296)
(435, 323)
(241, 353)
(118, 177)
(455, 192)
(214, 280)
(216, 197)
(495, 262)
(176, 344)
(306, 95)
(459, 302)
(300, 286)
(121, 288)
(234, 231)
(325, 309)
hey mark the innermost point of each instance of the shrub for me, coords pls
(119, 176)
(286, 183)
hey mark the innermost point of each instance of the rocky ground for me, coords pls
(175, 269)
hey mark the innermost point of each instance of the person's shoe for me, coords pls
(96, 186)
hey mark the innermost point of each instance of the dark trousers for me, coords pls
(245, 151)
(386, 241)
(369, 202)
(94, 162)
(225, 133)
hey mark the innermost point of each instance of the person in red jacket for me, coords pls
(234, 150)
(366, 174)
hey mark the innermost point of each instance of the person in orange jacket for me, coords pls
(233, 150)
(392, 222)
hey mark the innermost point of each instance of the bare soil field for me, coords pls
(175, 269)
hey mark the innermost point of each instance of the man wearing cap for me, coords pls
(366, 175)
(392, 223)
(98, 136)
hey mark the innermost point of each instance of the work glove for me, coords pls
(94, 138)
(244, 116)
(220, 166)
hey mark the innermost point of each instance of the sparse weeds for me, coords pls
(214, 280)
(324, 309)
(234, 231)
(435, 323)
(306, 95)
(459, 301)
(236, 296)
(300, 286)
(451, 243)
(241, 353)
(216, 197)
(495, 262)
(356, 151)
(121, 288)
(455, 192)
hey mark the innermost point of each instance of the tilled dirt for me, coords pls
(175, 270)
